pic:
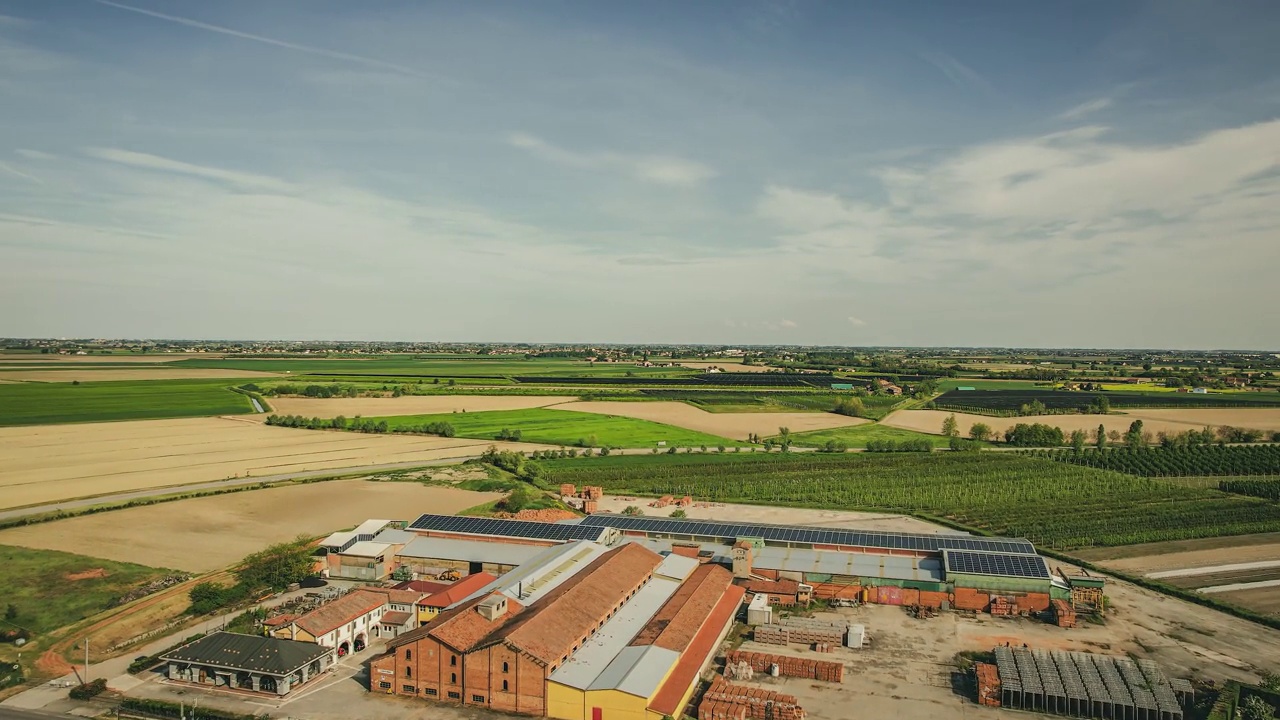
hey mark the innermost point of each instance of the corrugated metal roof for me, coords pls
(637, 670)
(339, 539)
(545, 571)
(366, 549)
(585, 667)
(827, 562)
(395, 537)
(469, 550)
(676, 566)
(371, 527)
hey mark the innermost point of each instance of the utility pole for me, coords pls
(86, 659)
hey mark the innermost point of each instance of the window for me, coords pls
(504, 686)
(453, 661)
(430, 691)
(477, 698)
(408, 654)
(408, 672)
(455, 695)
(409, 689)
(453, 678)
(506, 667)
(384, 685)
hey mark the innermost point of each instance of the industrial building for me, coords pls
(249, 663)
(578, 629)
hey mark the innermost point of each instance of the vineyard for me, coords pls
(1010, 402)
(1055, 505)
(1188, 461)
(1268, 489)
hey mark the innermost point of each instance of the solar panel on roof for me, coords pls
(820, 536)
(991, 563)
(506, 528)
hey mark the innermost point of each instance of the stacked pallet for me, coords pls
(1002, 607)
(771, 635)
(802, 631)
(761, 704)
(970, 599)
(719, 710)
(988, 684)
(568, 490)
(789, 666)
(1063, 615)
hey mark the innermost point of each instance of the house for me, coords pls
(267, 665)
(431, 605)
(887, 387)
(345, 624)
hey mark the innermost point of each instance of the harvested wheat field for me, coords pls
(105, 374)
(44, 464)
(1154, 421)
(730, 425)
(408, 405)
(55, 359)
(732, 367)
(177, 534)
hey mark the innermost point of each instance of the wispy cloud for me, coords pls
(1086, 108)
(660, 169)
(155, 162)
(961, 75)
(34, 154)
(19, 173)
(322, 52)
(856, 321)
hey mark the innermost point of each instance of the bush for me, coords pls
(1034, 435)
(89, 690)
(833, 446)
(920, 445)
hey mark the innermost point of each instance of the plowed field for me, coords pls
(730, 425)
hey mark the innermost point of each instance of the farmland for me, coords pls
(1055, 505)
(47, 403)
(858, 436)
(1008, 402)
(410, 404)
(411, 366)
(562, 427)
(722, 425)
(1154, 421)
(123, 371)
(1192, 461)
(50, 464)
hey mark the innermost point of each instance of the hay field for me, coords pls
(208, 533)
(1170, 421)
(730, 425)
(409, 404)
(44, 464)
(733, 367)
(94, 374)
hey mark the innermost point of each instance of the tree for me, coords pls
(11, 612)
(679, 513)
(949, 426)
(1134, 438)
(784, 435)
(980, 432)
(632, 510)
(1255, 708)
(851, 406)
(1270, 682)
(1100, 436)
(1078, 439)
(277, 566)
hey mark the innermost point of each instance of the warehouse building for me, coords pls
(249, 663)
(430, 556)
(526, 532)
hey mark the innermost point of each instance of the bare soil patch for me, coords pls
(1239, 547)
(203, 534)
(49, 463)
(731, 425)
(408, 404)
(1209, 580)
(779, 515)
(87, 574)
(107, 374)
(1263, 600)
(1155, 421)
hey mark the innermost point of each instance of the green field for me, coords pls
(47, 403)
(563, 427)
(857, 436)
(1053, 504)
(408, 366)
(36, 582)
(979, 384)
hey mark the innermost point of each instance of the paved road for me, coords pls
(8, 713)
(219, 484)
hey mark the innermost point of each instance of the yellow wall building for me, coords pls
(623, 691)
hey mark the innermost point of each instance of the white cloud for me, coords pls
(788, 323)
(661, 169)
(155, 162)
(961, 75)
(34, 154)
(1088, 107)
(856, 321)
(5, 167)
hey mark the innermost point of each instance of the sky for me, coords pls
(1084, 174)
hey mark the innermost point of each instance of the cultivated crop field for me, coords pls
(722, 425)
(409, 366)
(1193, 461)
(410, 404)
(1055, 505)
(42, 403)
(84, 373)
(177, 534)
(857, 436)
(50, 464)
(562, 427)
(1009, 401)
(1155, 421)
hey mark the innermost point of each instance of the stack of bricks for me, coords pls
(568, 490)
(970, 599)
(718, 710)
(825, 670)
(1063, 614)
(988, 684)
(662, 502)
(771, 635)
(808, 631)
(1002, 607)
(761, 704)
(1032, 602)
(592, 492)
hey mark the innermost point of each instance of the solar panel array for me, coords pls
(506, 528)
(729, 531)
(1001, 564)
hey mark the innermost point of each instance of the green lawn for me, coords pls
(563, 427)
(857, 436)
(36, 582)
(46, 403)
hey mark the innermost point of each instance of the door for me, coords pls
(597, 714)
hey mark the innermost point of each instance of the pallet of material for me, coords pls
(826, 670)
(760, 704)
(988, 684)
(1063, 615)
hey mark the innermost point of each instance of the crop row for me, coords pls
(1011, 401)
(1054, 504)
(1268, 489)
(1185, 461)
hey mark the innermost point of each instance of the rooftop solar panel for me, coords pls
(990, 563)
(506, 528)
(728, 531)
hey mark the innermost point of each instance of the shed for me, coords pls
(758, 611)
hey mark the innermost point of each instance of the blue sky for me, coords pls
(1100, 174)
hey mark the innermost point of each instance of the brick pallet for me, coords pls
(719, 710)
(988, 684)
(1063, 615)
(760, 704)
(802, 631)
(825, 670)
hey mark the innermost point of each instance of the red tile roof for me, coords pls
(692, 658)
(425, 586)
(677, 621)
(458, 591)
(776, 587)
(395, 618)
(463, 628)
(333, 615)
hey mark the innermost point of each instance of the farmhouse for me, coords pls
(250, 663)
(346, 624)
